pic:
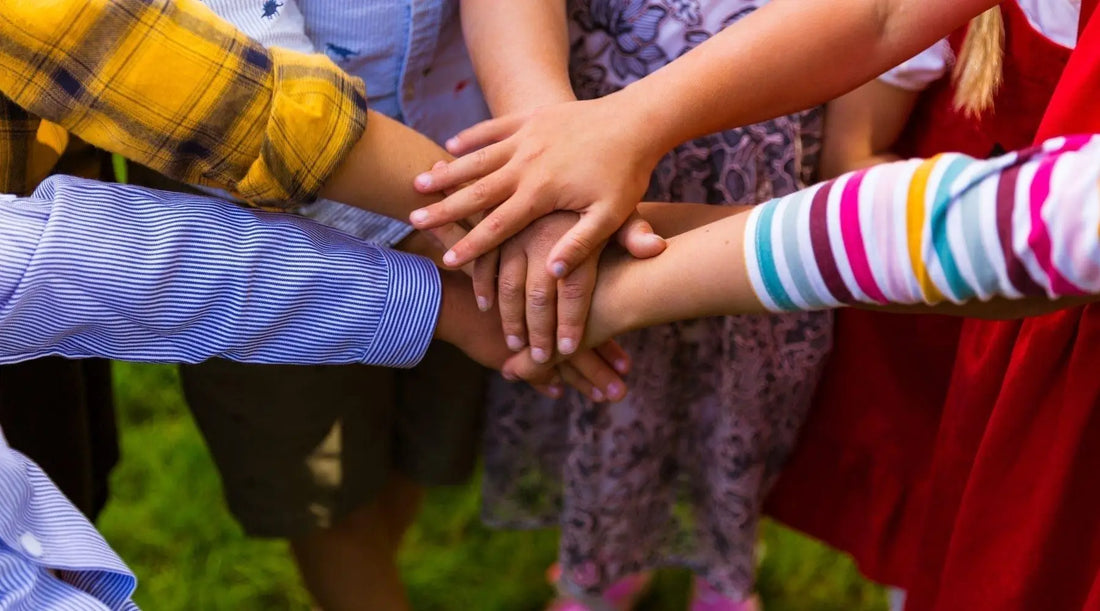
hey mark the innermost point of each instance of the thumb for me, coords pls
(638, 238)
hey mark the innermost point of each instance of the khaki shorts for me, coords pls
(299, 447)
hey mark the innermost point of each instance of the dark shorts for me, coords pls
(60, 413)
(299, 447)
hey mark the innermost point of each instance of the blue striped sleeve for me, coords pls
(92, 269)
(39, 529)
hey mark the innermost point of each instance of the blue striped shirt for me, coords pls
(93, 269)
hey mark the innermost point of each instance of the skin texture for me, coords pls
(594, 157)
(682, 283)
(520, 51)
(375, 176)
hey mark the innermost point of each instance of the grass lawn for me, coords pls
(167, 519)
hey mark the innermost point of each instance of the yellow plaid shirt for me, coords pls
(168, 84)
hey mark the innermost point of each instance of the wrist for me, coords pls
(617, 305)
(521, 100)
(646, 118)
(448, 326)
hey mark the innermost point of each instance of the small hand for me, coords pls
(571, 156)
(478, 334)
(532, 302)
(613, 313)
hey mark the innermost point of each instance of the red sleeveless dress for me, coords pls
(880, 464)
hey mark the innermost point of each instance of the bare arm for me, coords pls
(594, 157)
(520, 51)
(828, 48)
(881, 238)
(862, 126)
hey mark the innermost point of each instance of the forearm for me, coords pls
(672, 219)
(378, 173)
(520, 51)
(1009, 237)
(827, 48)
(862, 127)
(121, 272)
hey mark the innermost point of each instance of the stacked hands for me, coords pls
(533, 245)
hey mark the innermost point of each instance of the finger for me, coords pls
(465, 202)
(574, 299)
(542, 316)
(611, 352)
(580, 242)
(600, 374)
(638, 238)
(553, 391)
(522, 367)
(507, 220)
(485, 279)
(572, 377)
(447, 236)
(464, 169)
(484, 134)
(512, 291)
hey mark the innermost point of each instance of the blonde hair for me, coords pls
(979, 69)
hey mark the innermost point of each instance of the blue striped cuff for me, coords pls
(363, 224)
(411, 311)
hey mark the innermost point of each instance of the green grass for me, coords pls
(168, 521)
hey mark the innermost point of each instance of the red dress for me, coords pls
(899, 418)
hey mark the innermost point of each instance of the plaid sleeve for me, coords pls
(169, 85)
(18, 131)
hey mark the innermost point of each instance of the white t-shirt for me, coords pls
(1055, 19)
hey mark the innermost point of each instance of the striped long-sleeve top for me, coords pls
(950, 228)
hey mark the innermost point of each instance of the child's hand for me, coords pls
(532, 302)
(478, 334)
(613, 311)
(579, 156)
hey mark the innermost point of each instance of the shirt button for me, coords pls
(31, 545)
(409, 91)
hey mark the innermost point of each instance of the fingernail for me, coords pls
(597, 395)
(515, 344)
(614, 390)
(483, 304)
(450, 258)
(558, 269)
(508, 375)
(419, 216)
(566, 345)
(540, 355)
(452, 143)
(622, 366)
(556, 391)
(424, 180)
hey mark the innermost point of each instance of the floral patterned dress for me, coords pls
(677, 472)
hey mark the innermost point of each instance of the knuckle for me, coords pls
(481, 158)
(574, 291)
(510, 289)
(480, 191)
(538, 298)
(493, 223)
(581, 243)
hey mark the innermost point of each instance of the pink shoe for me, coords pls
(706, 598)
(619, 596)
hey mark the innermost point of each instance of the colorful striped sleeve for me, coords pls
(950, 228)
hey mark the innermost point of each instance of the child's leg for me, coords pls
(352, 565)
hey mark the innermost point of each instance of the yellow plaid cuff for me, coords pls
(168, 84)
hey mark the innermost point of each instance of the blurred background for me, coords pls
(168, 521)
